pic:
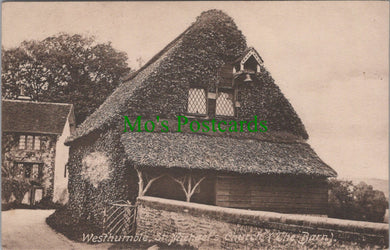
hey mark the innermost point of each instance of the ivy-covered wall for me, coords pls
(98, 174)
(11, 155)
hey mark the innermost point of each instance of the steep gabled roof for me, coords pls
(160, 87)
(34, 117)
(165, 63)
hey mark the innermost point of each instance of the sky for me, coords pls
(330, 59)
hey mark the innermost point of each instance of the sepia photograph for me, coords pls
(195, 125)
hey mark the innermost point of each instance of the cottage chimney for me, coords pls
(22, 95)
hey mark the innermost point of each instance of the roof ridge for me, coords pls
(37, 102)
(158, 55)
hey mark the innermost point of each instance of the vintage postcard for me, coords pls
(195, 125)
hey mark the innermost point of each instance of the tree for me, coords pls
(340, 198)
(64, 68)
(356, 202)
(370, 204)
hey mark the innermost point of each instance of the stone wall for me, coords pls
(205, 227)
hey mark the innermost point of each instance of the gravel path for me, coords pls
(27, 229)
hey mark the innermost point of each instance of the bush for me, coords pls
(61, 221)
(356, 202)
(18, 187)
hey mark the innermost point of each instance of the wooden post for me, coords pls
(190, 190)
(141, 189)
(149, 183)
(140, 182)
(104, 218)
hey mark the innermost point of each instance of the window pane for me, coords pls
(22, 142)
(197, 101)
(20, 170)
(30, 140)
(225, 104)
(37, 143)
(35, 171)
(27, 170)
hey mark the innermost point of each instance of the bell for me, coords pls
(248, 79)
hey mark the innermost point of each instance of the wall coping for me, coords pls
(264, 218)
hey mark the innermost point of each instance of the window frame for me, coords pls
(25, 140)
(30, 165)
(206, 102)
(233, 92)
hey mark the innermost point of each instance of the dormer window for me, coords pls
(225, 103)
(197, 102)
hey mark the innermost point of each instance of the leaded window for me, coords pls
(37, 143)
(28, 170)
(30, 142)
(225, 103)
(22, 142)
(197, 102)
(35, 172)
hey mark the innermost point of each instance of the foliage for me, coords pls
(17, 187)
(61, 221)
(96, 168)
(161, 87)
(369, 203)
(356, 202)
(64, 68)
(195, 58)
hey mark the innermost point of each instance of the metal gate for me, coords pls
(120, 218)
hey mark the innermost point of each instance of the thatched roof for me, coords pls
(196, 56)
(192, 151)
(34, 117)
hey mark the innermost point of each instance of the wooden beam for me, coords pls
(150, 183)
(140, 182)
(141, 189)
(190, 190)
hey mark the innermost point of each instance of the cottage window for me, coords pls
(31, 171)
(197, 102)
(29, 142)
(27, 170)
(35, 173)
(37, 143)
(22, 142)
(225, 103)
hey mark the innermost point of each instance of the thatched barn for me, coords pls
(207, 73)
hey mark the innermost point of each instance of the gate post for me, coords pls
(104, 218)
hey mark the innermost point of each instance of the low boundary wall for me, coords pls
(205, 226)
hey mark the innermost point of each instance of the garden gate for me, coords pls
(120, 218)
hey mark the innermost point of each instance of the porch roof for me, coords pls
(245, 156)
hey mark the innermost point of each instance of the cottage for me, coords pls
(206, 73)
(33, 136)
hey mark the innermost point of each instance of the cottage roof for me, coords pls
(160, 87)
(248, 52)
(34, 117)
(191, 151)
